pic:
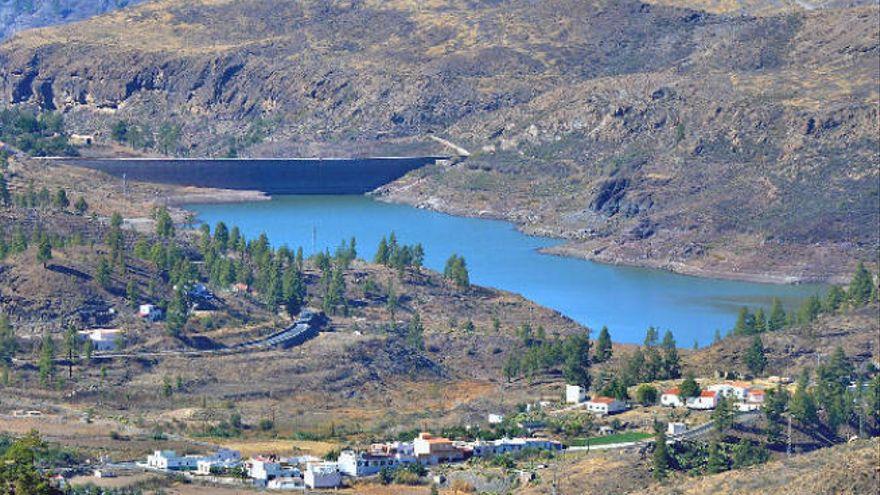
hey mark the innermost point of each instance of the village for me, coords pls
(427, 454)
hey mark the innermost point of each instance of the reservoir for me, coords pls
(625, 299)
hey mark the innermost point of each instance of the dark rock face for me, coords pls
(609, 196)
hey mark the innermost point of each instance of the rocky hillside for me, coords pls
(18, 15)
(791, 350)
(710, 142)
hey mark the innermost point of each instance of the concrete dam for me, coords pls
(275, 176)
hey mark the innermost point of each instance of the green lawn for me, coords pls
(629, 436)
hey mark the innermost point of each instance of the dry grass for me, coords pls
(281, 447)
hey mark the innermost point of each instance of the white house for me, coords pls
(150, 312)
(671, 398)
(707, 400)
(263, 468)
(605, 405)
(575, 394)
(755, 396)
(359, 464)
(735, 390)
(496, 419)
(169, 460)
(103, 339)
(322, 475)
(674, 429)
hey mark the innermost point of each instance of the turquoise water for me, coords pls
(626, 299)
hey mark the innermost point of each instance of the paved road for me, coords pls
(295, 334)
(691, 434)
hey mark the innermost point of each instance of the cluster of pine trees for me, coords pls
(32, 198)
(654, 360)
(538, 353)
(861, 291)
(456, 271)
(398, 256)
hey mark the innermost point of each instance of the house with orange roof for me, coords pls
(435, 450)
(671, 398)
(706, 400)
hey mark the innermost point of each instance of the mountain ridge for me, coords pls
(642, 133)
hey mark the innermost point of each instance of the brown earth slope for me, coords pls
(706, 142)
(789, 351)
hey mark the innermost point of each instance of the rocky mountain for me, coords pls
(738, 140)
(18, 15)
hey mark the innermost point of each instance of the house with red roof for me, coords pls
(706, 400)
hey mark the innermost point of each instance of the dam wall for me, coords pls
(272, 176)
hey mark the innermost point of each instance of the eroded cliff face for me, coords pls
(19, 15)
(641, 132)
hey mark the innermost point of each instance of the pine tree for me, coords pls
(576, 364)
(717, 338)
(46, 362)
(61, 200)
(651, 337)
(221, 237)
(5, 196)
(671, 361)
(755, 359)
(661, 454)
(603, 346)
(809, 310)
(102, 273)
(689, 386)
(164, 223)
(722, 416)
(745, 323)
(861, 286)
(777, 318)
(774, 405)
(415, 333)
(802, 404)
(8, 342)
(635, 367)
(132, 293)
(456, 271)
(834, 299)
(717, 461)
(177, 313)
(381, 257)
(81, 206)
(44, 250)
(760, 321)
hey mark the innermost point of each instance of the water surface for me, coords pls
(626, 299)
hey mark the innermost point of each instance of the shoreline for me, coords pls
(567, 248)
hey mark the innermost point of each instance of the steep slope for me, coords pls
(18, 15)
(844, 469)
(653, 134)
(793, 349)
